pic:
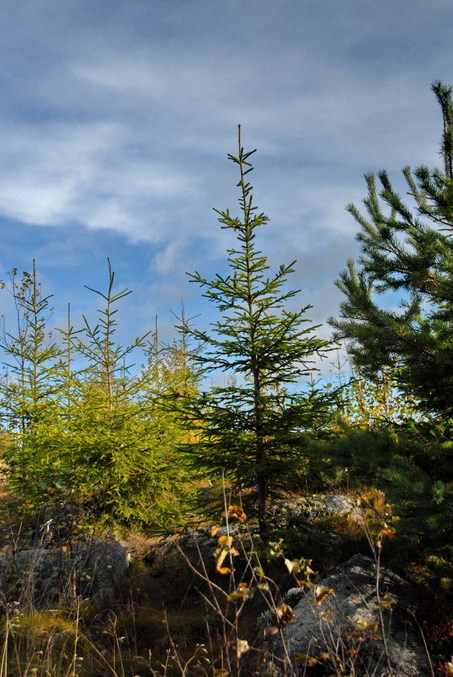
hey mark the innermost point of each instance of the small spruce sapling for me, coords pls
(251, 429)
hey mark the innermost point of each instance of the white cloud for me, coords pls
(56, 174)
(118, 118)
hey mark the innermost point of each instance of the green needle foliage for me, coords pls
(115, 428)
(29, 392)
(411, 254)
(106, 357)
(31, 354)
(79, 425)
(251, 429)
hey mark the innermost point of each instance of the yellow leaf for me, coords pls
(388, 601)
(293, 567)
(355, 634)
(321, 593)
(272, 630)
(223, 551)
(214, 530)
(233, 596)
(387, 532)
(225, 541)
(241, 647)
(243, 591)
(309, 660)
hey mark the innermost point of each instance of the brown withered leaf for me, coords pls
(321, 593)
(309, 660)
(237, 511)
(284, 614)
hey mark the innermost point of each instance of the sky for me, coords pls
(117, 118)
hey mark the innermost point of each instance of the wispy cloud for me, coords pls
(117, 119)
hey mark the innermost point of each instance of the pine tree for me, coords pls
(411, 254)
(251, 428)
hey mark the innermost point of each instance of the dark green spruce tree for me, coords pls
(250, 429)
(408, 251)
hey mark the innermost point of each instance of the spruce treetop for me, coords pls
(256, 333)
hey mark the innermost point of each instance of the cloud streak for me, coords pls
(117, 119)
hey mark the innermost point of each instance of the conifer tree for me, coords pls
(30, 390)
(122, 440)
(109, 436)
(251, 427)
(31, 354)
(79, 426)
(410, 252)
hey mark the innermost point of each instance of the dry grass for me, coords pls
(171, 617)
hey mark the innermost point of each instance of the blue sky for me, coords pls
(117, 117)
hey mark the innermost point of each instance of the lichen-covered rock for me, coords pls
(346, 626)
(46, 578)
(292, 512)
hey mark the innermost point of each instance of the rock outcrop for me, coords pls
(291, 512)
(282, 515)
(349, 625)
(45, 578)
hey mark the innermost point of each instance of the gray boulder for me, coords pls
(200, 545)
(292, 512)
(46, 578)
(58, 524)
(337, 625)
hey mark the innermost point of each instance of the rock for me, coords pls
(283, 514)
(311, 508)
(58, 524)
(46, 578)
(200, 546)
(336, 626)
